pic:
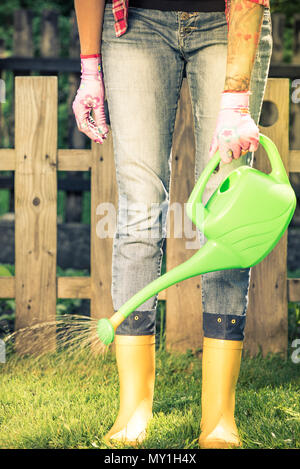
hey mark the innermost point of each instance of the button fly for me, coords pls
(184, 16)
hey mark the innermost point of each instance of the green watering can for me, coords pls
(243, 221)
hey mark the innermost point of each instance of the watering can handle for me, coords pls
(194, 203)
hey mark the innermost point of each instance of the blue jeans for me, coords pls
(143, 73)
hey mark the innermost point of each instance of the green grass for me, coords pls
(71, 402)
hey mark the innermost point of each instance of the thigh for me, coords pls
(143, 76)
(206, 72)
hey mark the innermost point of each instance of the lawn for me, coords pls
(70, 400)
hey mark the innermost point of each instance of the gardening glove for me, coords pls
(236, 132)
(90, 97)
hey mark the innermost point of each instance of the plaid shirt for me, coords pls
(120, 11)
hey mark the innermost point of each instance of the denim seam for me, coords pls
(159, 263)
(158, 268)
(159, 259)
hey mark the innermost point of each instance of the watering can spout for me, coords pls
(207, 259)
(212, 256)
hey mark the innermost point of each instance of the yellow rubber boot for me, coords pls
(220, 370)
(136, 367)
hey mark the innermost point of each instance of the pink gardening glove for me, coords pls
(90, 96)
(236, 132)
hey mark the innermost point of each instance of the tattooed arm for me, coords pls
(236, 132)
(244, 24)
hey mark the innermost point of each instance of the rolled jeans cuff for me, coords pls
(224, 326)
(138, 323)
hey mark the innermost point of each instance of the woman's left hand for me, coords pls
(236, 132)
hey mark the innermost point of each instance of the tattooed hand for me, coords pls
(90, 97)
(236, 132)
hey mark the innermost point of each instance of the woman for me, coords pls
(144, 48)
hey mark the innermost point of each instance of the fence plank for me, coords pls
(35, 210)
(67, 160)
(73, 287)
(184, 303)
(294, 161)
(74, 160)
(7, 159)
(7, 287)
(67, 287)
(266, 327)
(103, 189)
(80, 160)
(294, 289)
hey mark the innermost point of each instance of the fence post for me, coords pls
(267, 316)
(35, 211)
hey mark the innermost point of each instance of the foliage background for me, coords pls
(65, 7)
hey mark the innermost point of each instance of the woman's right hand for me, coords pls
(90, 97)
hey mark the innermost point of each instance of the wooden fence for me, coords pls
(35, 160)
(45, 58)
